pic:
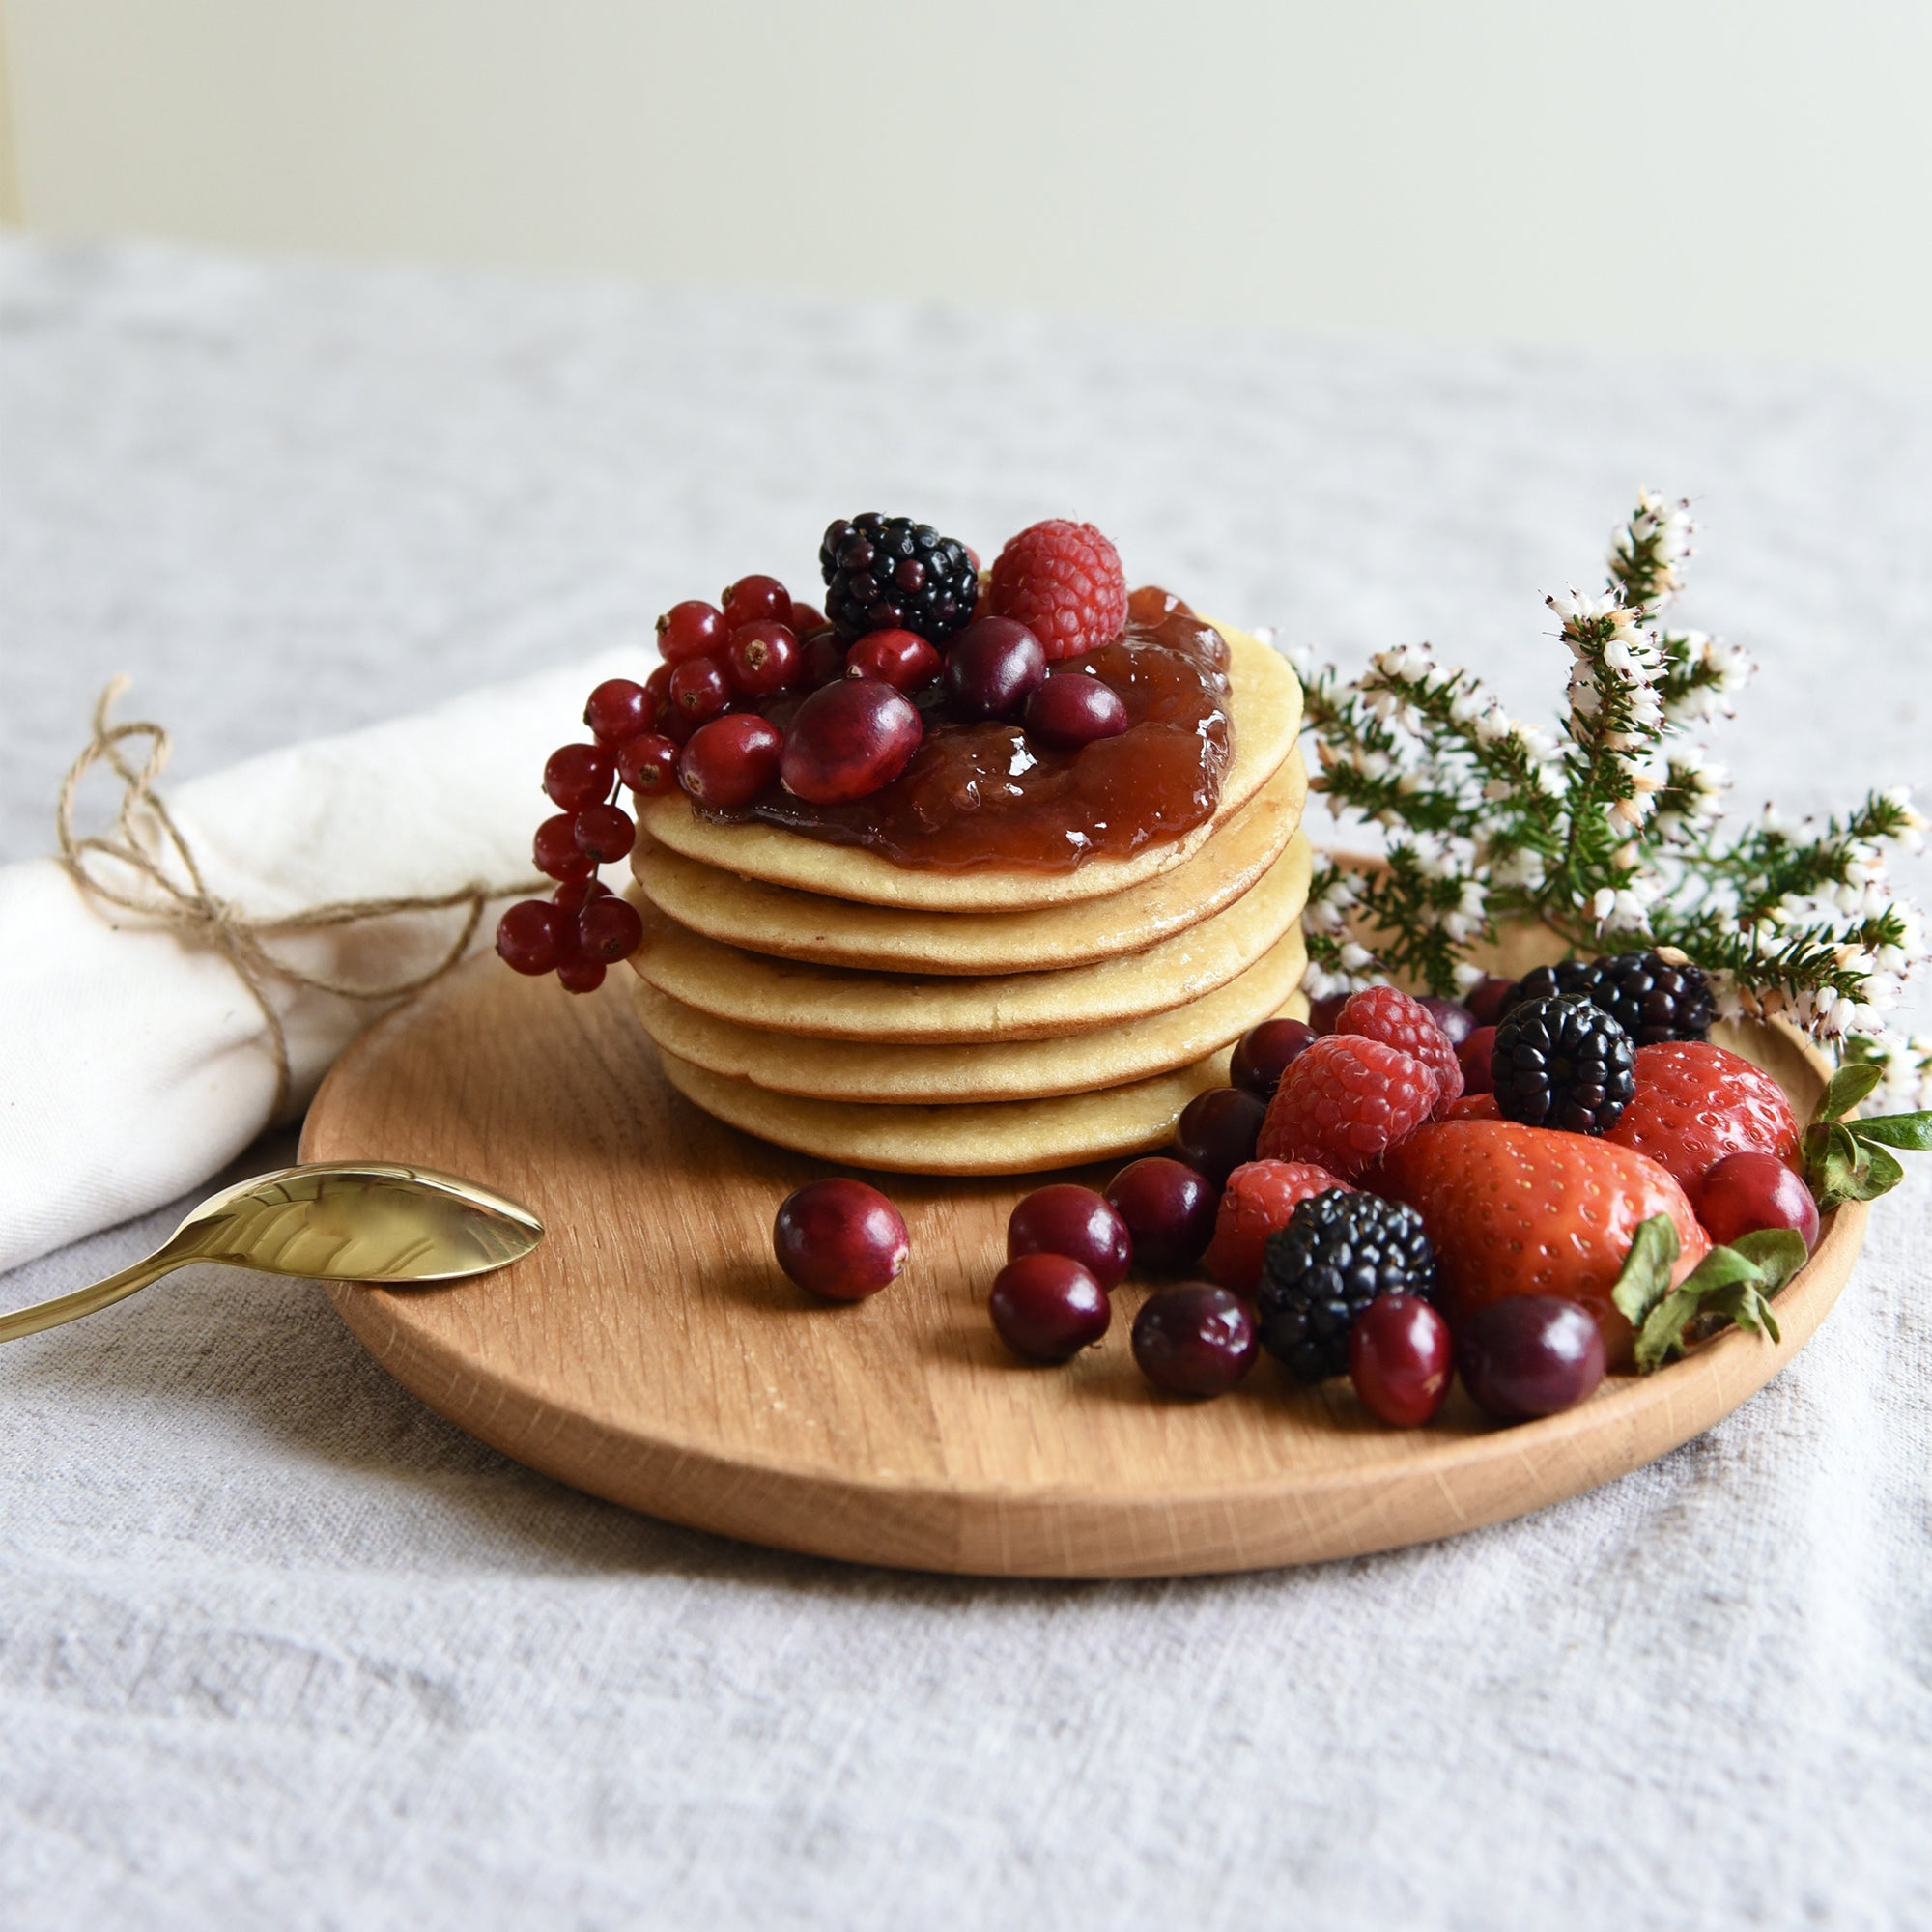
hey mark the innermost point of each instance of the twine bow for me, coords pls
(166, 884)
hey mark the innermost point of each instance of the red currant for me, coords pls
(701, 689)
(604, 833)
(574, 894)
(841, 1238)
(731, 760)
(901, 659)
(1048, 1308)
(764, 658)
(578, 775)
(848, 740)
(1266, 1052)
(805, 619)
(1169, 1209)
(647, 763)
(1399, 1359)
(691, 630)
(530, 937)
(756, 600)
(1750, 1190)
(580, 975)
(1064, 1220)
(657, 687)
(555, 849)
(1074, 709)
(608, 929)
(618, 710)
(1195, 1339)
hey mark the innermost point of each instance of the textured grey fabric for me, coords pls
(280, 1646)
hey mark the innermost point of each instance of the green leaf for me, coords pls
(1645, 1277)
(1911, 1131)
(1848, 1087)
(1734, 1284)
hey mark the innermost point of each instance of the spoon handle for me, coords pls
(85, 1301)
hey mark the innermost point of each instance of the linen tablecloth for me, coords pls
(278, 1645)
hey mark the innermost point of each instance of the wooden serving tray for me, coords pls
(651, 1352)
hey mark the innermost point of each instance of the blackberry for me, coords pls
(891, 574)
(1337, 1254)
(1563, 1062)
(1653, 1000)
(1546, 982)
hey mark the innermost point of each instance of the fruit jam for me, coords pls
(984, 795)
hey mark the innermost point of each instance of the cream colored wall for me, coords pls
(1709, 174)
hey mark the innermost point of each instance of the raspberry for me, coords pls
(1391, 1016)
(1256, 1203)
(1346, 1101)
(1063, 581)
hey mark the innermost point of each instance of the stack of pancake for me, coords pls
(822, 997)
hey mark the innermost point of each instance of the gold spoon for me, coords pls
(334, 1220)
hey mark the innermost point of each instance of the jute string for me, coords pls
(144, 865)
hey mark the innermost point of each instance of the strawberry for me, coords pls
(1260, 1197)
(1696, 1103)
(1532, 1211)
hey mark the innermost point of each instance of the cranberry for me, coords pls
(1195, 1339)
(839, 1239)
(993, 666)
(1047, 1308)
(604, 833)
(618, 710)
(555, 849)
(1489, 999)
(1075, 1222)
(579, 974)
(1266, 1052)
(1169, 1209)
(901, 659)
(824, 659)
(1217, 1130)
(848, 740)
(531, 937)
(608, 929)
(756, 600)
(1322, 1013)
(731, 760)
(578, 775)
(1750, 1190)
(1457, 1022)
(647, 763)
(691, 630)
(763, 659)
(804, 618)
(701, 689)
(1476, 1056)
(1528, 1355)
(1399, 1359)
(1074, 709)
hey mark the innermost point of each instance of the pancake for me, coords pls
(792, 924)
(836, 1002)
(872, 1074)
(1000, 1137)
(1266, 704)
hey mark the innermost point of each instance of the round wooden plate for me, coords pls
(651, 1352)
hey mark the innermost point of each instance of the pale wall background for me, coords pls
(1753, 176)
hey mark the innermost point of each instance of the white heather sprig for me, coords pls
(1612, 830)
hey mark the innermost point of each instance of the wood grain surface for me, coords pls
(651, 1352)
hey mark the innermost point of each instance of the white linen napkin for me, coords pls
(134, 1063)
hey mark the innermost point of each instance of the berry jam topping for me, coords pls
(1528, 1355)
(847, 743)
(1169, 1209)
(1399, 1359)
(1195, 1339)
(979, 792)
(841, 1238)
(1075, 1222)
(891, 574)
(1047, 1308)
